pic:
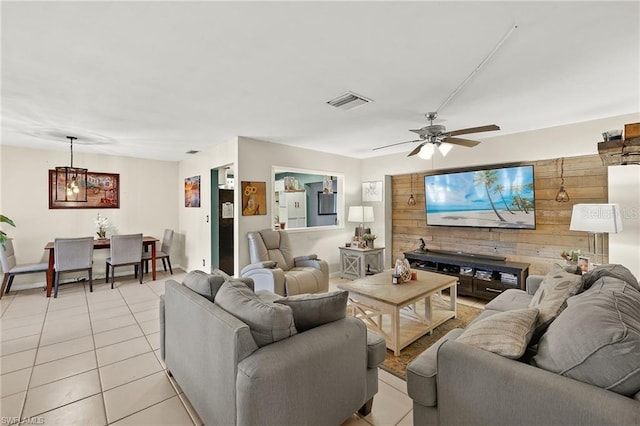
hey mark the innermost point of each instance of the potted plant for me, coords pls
(3, 236)
(368, 239)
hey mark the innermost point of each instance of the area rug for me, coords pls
(397, 365)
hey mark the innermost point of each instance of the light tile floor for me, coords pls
(93, 359)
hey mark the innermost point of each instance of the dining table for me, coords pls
(147, 241)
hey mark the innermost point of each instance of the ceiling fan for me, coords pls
(436, 135)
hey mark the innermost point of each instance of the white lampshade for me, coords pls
(360, 214)
(596, 218)
(426, 152)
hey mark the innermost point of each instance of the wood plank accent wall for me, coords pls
(585, 181)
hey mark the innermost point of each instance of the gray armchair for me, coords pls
(273, 266)
(319, 376)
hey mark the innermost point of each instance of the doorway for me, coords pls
(222, 198)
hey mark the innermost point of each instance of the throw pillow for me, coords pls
(504, 333)
(312, 310)
(596, 339)
(268, 322)
(202, 283)
(556, 287)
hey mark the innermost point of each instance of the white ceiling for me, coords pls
(156, 79)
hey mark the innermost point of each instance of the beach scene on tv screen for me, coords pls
(495, 198)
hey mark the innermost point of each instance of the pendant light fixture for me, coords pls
(411, 201)
(562, 196)
(71, 182)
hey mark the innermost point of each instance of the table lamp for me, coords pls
(596, 219)
(360, 214)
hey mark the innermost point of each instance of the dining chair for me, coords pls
(125, 250)
(11, 268)
(72, 255)
(164, 253)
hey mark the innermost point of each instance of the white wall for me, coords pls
(555, 142)
(194, 228)
(148, 202)
(624, 189)
(257, 159)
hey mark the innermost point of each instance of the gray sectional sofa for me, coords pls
(245, 358)
(580, 366)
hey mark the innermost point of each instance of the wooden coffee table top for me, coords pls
(378, 286)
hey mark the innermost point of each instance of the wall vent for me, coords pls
(348, 100)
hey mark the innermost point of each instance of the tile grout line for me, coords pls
(35, 357)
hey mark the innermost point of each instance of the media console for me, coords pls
(478, 275)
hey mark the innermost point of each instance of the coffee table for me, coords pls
(374, 296)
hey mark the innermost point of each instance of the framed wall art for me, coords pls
(372, 191)
(254, 198)
(103, 192)
(192, 191)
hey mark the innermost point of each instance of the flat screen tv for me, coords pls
(489, 197)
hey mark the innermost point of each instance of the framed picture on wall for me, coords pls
(372, 191)
(254, 198)
(192, 191)
(103, 192)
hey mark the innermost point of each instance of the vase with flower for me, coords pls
(102, 225)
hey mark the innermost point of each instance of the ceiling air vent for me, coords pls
(348, 100)
(192, 151)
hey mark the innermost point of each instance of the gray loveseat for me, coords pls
(583, 370)
(233, 374)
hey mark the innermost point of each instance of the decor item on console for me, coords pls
(70, 182)
(596, 219)
(360, 214)
(562, 196)
(571, 256)
(369, 239)
(500, 196)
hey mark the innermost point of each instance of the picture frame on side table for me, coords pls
(584, 263)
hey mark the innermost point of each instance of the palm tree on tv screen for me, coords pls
(487, 178)
(499, 189)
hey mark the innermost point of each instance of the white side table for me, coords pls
(355, 262)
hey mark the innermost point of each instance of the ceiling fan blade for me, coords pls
(479, 129)
(421, 132)
(397, 143)
(416, 149)
(464, 142)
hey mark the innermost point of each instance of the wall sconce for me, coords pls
(562, 196)
(411, 201)
(71, 182)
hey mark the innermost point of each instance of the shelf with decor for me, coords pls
(479, 276)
